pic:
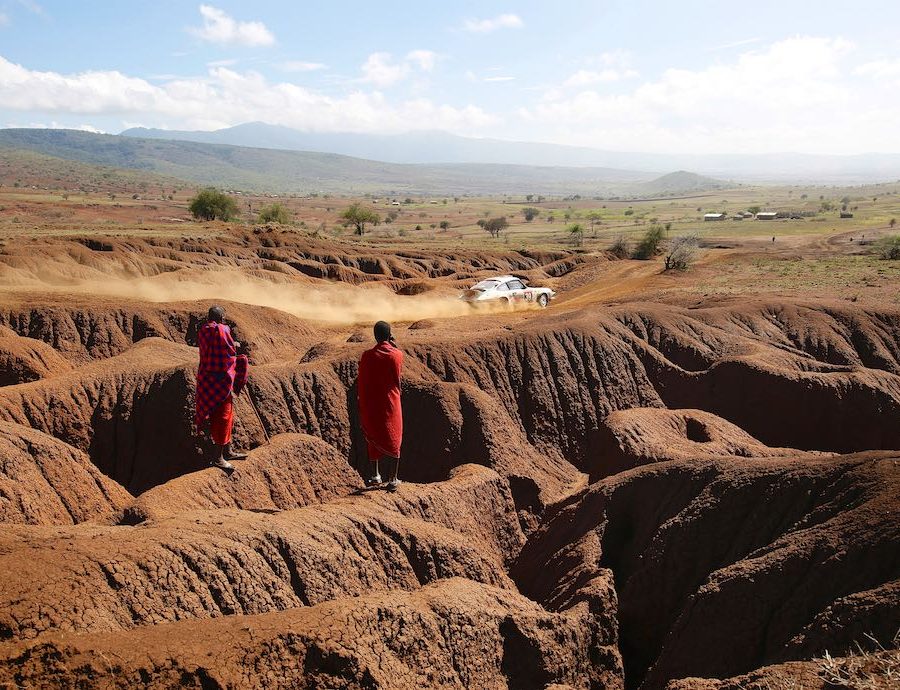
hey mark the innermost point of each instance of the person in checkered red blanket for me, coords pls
(221, 375)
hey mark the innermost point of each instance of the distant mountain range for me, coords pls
(430, 147)
(303, 172)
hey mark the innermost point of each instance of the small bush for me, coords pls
(889, 248)
(621, 249)
(648, 247)
(576, 231)
(682, 253)
(275, 213)
(530, 213)
(211, 204)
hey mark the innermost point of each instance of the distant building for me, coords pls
(714, 216)
(766, 215)
(739, 216)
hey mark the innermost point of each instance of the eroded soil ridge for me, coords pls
(643, 495)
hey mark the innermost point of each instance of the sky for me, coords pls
(662, 76)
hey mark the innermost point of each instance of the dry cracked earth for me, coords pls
(649, 495)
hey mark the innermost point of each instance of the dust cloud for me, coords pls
(333, 303)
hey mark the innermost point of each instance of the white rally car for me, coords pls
(509, 289)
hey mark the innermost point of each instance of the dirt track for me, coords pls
(638, 486)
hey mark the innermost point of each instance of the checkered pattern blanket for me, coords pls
(218, 369)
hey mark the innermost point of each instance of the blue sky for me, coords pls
(683, 76)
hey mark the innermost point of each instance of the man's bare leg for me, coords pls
(394, 481)
(221, 462)
(374, 478)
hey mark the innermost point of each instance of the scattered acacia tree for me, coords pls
(530, 213)
(754, 209)
(576, 230)
(620, 248)
(682, 252)
(445, 225)
(274, 213)
(211, 204)
(892, 223)
(648, 247)
(358, 216)
(594, 218)
(495, 226)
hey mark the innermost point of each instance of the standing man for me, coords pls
(378, 389)
(221, 375)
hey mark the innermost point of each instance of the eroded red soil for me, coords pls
(628, 495)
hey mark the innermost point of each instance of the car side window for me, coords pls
(516, 285)
(503, 286)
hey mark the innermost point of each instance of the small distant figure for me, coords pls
(221, 376)
(380, 413)
(773, 239)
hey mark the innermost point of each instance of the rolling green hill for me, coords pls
(24, 168)
(298, 172)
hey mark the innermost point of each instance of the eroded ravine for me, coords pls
(595, 498)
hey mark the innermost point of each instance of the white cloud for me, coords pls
(382, 70)
(501, 21)
(33, 7)
(604, 68)
(219, 27)
(798, 94)
(301, 66)
(880, 69)
(229, 62)
(425, 59)
(735, 44)
(54, 125)
(223, 98)
(471, 76)
(617, 59)
(585, 77)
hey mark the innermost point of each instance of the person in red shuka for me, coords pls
(378, 390)
(222, 374)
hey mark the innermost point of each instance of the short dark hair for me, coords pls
(382, 331)
(216, 313)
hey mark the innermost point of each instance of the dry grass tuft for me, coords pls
(863, 669)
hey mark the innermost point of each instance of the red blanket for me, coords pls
(378, 389)
(216, 375)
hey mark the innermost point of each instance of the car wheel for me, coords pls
(543, 300)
